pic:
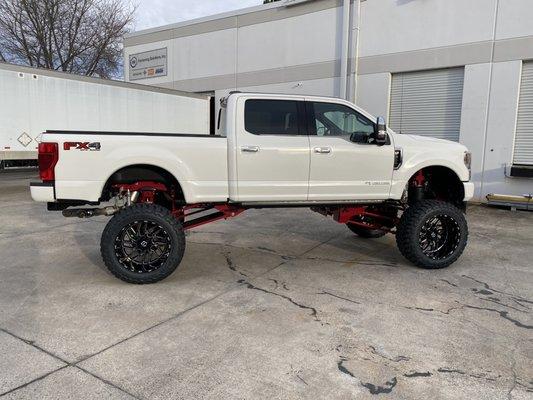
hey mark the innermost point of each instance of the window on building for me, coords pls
(271, 117)
(332, 119)
(427, 103)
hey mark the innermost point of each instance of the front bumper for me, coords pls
(469, 190)
(42, 192)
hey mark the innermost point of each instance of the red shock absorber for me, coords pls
(146, 190)
(418, 184)
(419, 180)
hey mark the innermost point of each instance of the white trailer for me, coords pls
(35, 100)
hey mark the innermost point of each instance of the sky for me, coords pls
(153, 13)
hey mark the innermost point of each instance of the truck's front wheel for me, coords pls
(432, 234)
(143, 244)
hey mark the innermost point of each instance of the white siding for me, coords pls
(394, 26)
(428, 103)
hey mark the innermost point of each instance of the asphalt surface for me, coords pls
(273, 304)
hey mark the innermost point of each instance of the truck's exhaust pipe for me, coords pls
(90, 212)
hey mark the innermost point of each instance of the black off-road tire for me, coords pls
(412, 227)
(366, 233)
(151, 214)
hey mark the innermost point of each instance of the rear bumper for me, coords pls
(42, 192)
(469, 190)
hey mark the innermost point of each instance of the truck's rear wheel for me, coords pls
(432, 234)
(366, 232)
(143, 244)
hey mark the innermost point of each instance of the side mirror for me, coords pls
(380, 135)
(359, 137)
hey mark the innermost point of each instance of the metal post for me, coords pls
(356, 28)
(345, 47)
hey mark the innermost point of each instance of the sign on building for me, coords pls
(150, 64)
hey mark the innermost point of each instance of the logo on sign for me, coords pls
(148, 64)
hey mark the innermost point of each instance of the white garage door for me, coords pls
(523, 148)
(427, 103)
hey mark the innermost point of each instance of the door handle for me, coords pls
(322, 150)
(250, 149)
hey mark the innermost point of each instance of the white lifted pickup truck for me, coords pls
(270, 151)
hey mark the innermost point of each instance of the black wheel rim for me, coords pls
(439, 237)
(142, 246)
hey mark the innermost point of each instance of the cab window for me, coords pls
(329, 119)
(271, 117)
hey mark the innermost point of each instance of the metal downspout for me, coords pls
(356, 29)
(345, 48)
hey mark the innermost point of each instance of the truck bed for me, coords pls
(88, 159)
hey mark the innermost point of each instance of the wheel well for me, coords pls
(142, 172)
(440, 183)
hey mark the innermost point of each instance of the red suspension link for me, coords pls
(363, 216)
(212, 212)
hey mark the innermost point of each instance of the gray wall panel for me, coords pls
(471, 53)
(513, 49)
(330, 69)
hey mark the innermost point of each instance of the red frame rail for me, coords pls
(363, 216)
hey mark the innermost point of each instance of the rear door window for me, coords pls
(271, 117)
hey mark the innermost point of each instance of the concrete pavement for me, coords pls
(273, 304)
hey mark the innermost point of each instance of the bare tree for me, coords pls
(77, 36)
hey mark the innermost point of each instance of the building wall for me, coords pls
(240, 51)
(298, 50)
(490, 38)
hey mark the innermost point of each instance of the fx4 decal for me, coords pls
(83, 146)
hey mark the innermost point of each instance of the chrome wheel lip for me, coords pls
(142, 246)
(439, 236)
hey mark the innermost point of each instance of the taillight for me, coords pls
(48, 157)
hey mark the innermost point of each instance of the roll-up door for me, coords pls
(523, 147)
(427, 103)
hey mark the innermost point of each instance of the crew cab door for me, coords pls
(272, 150)
(342, 169)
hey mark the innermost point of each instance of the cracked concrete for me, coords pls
(273, 304)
